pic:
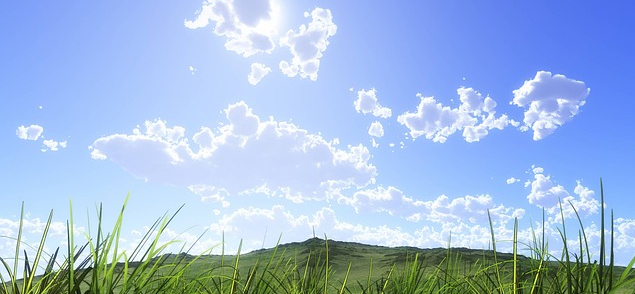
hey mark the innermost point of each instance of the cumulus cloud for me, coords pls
(367, 103)
(547, 194)
(240, 21)
(246, 155)
(475, 116)
(550, 102)
(52, 145)
(308, 44)
(258, 71)
(443, 210)
(625, 238)
(512, 180)
(376, 129)
(32, 132)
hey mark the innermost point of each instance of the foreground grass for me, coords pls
(313, 266)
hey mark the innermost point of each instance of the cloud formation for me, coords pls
(475, 116)
(32, 132)
(257, 73)
(550, 102)
(245, 156)
(367, 103)
(52, 145)
(512, 180)
(376, 129)
(547, 194)
(442, 210)
(238, 21)
(308, 44)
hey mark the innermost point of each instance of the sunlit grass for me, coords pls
(101, 266)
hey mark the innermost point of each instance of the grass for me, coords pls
(314, 266)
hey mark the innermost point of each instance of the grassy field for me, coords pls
(313, 266)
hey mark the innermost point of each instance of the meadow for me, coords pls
(316, 265)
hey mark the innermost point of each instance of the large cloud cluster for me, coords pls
(248, 26)
(245, 156)
(475, 117)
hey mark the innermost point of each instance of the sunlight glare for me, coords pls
(272, 25)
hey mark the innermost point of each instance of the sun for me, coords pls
(272, 25)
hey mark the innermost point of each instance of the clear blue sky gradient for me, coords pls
(87, 71)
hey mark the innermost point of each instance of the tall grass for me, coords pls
(101, 266)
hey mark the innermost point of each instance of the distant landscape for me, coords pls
(313, 266)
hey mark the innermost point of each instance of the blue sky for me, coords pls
(386, 123)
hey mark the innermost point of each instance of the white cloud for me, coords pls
(546, 193)
(258, 71)
(192, 70)
(251, 224)
(550, 102)
(53, 145)
(442, 210)
(240, 21)
(475, 116)
(36, 226)
(376, 129)
(32, 132)
(367, 103)
(308, 44)
(512, 180)
(625, 238)
(246, 155)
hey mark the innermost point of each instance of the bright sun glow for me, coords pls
(272, 25)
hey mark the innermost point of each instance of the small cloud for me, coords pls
(32, 132)
(192, 70)
(52, 145)
(374, 143)
(550, 102)
(258, 72)
(376, 129)
(308, 44)
(512, 180)
(40, 107)
(367, 103)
